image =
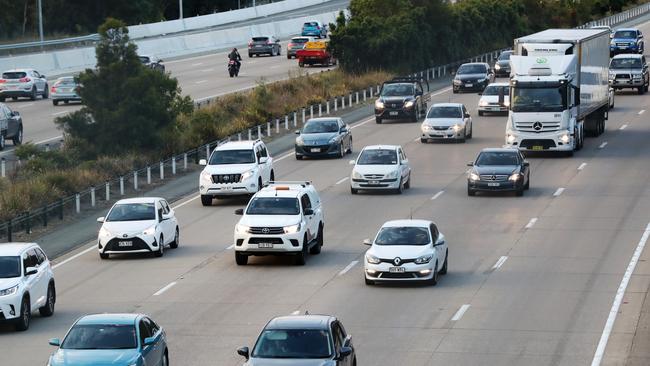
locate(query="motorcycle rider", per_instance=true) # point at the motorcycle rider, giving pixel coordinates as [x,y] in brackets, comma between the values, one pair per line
[235,56]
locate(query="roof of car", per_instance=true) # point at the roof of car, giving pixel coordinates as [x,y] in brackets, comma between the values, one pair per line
[476,63]
[500,149]
[300,322]
[320,119]
[411,222]
[139,200]
[121,319]
[291,190]
[458,105]
[381,147]
[627,55]
[19,70]
[499,84]
[237,145]
[13,249]
[627,29]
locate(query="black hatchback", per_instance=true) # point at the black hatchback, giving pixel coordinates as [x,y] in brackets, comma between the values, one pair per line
[498,170]
[323,137]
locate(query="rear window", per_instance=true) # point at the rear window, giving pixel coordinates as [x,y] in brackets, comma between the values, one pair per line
[66,81]
[310,24]
[13,75]
[299,40]
[260,39]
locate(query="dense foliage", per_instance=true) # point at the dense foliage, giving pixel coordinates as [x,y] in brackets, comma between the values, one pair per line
[413,34]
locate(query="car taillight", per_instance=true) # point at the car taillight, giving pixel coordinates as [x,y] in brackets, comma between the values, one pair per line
[53,89]
[25,80]
[3,81]
[250,44]
[290,45]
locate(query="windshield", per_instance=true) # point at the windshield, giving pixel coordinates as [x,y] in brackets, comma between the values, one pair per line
[378,157]
[101,336]
[538,99]
[13,75]
[505,56]
[471,69]
[497,158]
[9,267]
[260,39]
[406,235]
[391,90]
[625,63]
[310,24]
[625,34]
[293,343]
[132,212]
[221,157]
[445,112]
[273,206]
[495,90]
[65,81]
[321,127]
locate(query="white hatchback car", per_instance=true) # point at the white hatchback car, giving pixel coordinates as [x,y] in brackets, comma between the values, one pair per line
[138,225]
[411,250]
[494,99]
[23,83]
[26,283]
[447,121]
[380,167]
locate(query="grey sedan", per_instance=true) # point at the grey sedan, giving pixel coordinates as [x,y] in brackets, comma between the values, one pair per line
[65,90]
[264,45]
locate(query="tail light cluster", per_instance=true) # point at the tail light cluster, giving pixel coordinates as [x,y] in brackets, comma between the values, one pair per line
[25,80]
[3,81]
[250,44]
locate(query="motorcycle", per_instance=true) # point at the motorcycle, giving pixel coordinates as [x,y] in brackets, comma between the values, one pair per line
[233,68]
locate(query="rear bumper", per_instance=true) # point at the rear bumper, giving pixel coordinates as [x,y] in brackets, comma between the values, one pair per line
[260,50]
[626,83]
[469,86]
[16,93]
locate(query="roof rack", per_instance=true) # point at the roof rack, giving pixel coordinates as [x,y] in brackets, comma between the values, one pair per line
[302,183]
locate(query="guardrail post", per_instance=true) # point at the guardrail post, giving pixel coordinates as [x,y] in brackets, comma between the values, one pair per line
[311,112]
[250,133]
[135,180]
[357,96]
[364,95]
[185,157]
[47,147]
[3,167]
[303,115]
[173,165]
[320,109]
[295,119]
[239,136]
[9,230]
[108,191]
[122,186]
[149,174]
[327,107]
[161,168]
[350,103]
[342,102]
[207,151]
[259,132]
[336,102]
[268,129]
[277,125]
[378,86]
[44,210]
[92,196]
[286,122]
[77,202]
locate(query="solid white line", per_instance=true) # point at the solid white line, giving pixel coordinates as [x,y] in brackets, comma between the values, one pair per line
[582,166]
[460,312]
[207,70]
[531,223]
[59,113]
[362,123]
[276,67]
[500,262]
[198,64]
[602,145]
[201,82]
[618,299]
[231,247]
[342,180]
[440,92]
[25,105]
[48,140]
[295,312]
[641,111]
[74,257]
[622,127]
[416,139]
[284,156]
[435,196]
[185,203]
[170,285]
[349,267]
[558,192]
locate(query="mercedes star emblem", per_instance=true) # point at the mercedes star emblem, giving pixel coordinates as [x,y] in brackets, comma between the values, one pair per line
[124,235]
[265,230]
[537,126]
[494,177]
[225,177]
[397,261]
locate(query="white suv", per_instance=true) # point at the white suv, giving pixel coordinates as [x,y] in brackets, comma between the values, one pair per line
[281,219]
[235,168]
[23,83]
[26,283]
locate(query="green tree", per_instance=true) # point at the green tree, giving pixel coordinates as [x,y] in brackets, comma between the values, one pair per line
[127,107]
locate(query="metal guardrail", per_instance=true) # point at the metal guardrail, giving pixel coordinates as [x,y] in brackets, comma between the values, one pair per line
[132,183]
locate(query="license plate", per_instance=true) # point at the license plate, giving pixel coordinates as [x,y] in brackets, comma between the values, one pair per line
[393,113]
[125,243]
[226,188]
[622,47]
[538,148]
[258,45]
[494,184]
[396,269]
[265,245]
[12,87]
[440,134]
[373,182]
[495,109]
[315,150]
[469,85]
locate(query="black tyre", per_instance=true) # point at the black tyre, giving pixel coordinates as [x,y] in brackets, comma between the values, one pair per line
[471,131]
[301,64]
[241,259]
[319,242]
[423,140]
[34,93]
[369,282]
[350,146]
[400,188]
[480,113]
[378,120]
[443,270]
[527,186]
[272,176]
[22,323]
[250,55]
[414,118]
[206,200]
[55,102]
[177,240]
[434,280]
[161,248]
[46,92]
[299,157]
[103,255]
[232,73]
[520,192]
[288,57]
[341,150]
[2,99]
[407,185]
[354,190]
[470,192]
[48,308]
[301,258]
[641,90]
[18,139]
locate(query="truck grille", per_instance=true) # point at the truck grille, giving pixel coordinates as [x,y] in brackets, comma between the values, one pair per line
[494,177]
[537,126]
[266,230]
[226,178]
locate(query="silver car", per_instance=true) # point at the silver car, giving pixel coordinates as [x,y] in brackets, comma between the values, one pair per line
[296,44]
[264,45]
[65,90]
[23,83]
[447,121]
[629,71]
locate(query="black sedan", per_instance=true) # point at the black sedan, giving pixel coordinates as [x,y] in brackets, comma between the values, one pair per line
[322,137]
[473,76]
[499,169]
[502,66]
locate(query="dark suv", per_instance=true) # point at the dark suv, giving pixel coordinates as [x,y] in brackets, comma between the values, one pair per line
[401,98]
[302,340]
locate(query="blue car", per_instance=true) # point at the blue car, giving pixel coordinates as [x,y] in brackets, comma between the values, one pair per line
[314,29]
[626,40]
[112,339]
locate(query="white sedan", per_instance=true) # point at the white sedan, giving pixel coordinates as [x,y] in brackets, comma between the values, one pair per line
[411,250]
[380,167]
[138,225]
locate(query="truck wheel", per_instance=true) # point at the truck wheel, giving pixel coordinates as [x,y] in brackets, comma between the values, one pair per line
[301,257]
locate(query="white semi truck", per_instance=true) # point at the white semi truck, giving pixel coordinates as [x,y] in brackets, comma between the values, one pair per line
[558,89]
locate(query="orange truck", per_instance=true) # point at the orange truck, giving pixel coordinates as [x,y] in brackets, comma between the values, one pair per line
[315,53]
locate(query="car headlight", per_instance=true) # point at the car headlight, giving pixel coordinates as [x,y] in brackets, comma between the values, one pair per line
[379,104]
[372,259]
[424,259]
[103,232]
[247,174]
[474,177]
[457,127]
[483,103]
[510,138]
[242,229]
[334,140]
[457,82]
[497,67]
[206,176]
[392,174]
[565,138]
[300,141]
[409,104]
[506,103]
[292,229]
[150,231]
[636,76]
[356,175]
[426,126]
[9,291]
[514,177]
[481,80]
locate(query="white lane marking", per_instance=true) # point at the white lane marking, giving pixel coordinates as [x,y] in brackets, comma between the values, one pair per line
[362,123]
[459,314]
[285,156]
[558,192]
[348,267]
[342,180]
[276,67]
[231,247]
[531,223]
[641,111]
[59,113]
[602,145]
[618,299]
[416,139]
[207,70]
[582,166]
[162,290]
[500,262]
[201,82]
[74,257]
[198,64]
[25,105]
[295,312]
[622,127]
[440,92]
[435,196]
[50,139]
[186,202]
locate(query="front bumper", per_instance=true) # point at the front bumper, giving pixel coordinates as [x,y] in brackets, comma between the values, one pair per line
[374,184]
[550,141]
[389,113]
[130,244]
[626,83]
[411,272]
[493,108]
[260,244]
[10,306]
[469,86]
[448,134]
[493,186]
[614,50]
[208,188]
[317,150]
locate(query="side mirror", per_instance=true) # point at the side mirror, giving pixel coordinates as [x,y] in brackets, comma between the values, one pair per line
[54,342]
[297,132]
[471,163]
[440,241]
[418,92]
[161,216]
[166,216]
[344,352]
[467,115]
[526,163]
[263,160]
[309,212]
[405,161]
[480,93]
[239,211]
[15,113]
[149,341]
[45,77]
[101,219]
[351,162]
[243,352]
[31,271]
[367,242]
[203,162]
